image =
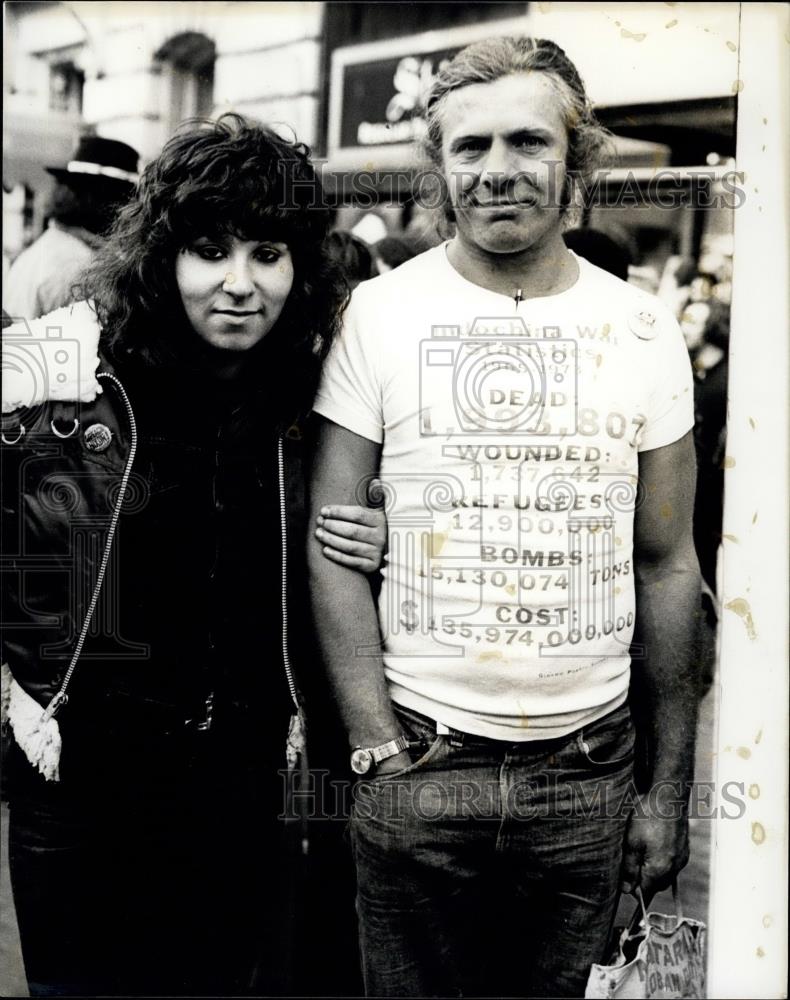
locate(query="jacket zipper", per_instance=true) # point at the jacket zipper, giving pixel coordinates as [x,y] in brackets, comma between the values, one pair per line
[61,698]
[297,720]
[284,574]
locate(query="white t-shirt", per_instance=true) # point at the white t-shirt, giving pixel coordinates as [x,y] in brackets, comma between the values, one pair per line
[510,437]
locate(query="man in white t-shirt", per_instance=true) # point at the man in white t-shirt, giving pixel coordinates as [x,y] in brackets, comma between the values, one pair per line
[529,416]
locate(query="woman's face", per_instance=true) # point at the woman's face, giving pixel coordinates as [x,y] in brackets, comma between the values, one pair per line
[234,290]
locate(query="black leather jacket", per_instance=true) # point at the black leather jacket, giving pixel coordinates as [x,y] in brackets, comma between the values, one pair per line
[152,551]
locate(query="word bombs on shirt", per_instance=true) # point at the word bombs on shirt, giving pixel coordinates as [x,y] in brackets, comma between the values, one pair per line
[510,556]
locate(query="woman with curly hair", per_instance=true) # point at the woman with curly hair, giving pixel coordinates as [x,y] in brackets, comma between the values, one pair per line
[154,494]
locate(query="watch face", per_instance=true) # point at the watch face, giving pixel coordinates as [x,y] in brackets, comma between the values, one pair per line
[361,761]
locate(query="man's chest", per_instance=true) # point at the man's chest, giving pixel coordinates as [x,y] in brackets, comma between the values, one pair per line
[503,392]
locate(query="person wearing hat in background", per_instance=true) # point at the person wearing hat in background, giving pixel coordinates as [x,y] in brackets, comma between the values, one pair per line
[89,191]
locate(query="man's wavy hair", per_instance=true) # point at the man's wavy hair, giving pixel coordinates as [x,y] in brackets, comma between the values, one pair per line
[213,178]
[589,144]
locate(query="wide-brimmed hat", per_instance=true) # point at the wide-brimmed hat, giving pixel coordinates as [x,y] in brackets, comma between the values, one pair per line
[99,157]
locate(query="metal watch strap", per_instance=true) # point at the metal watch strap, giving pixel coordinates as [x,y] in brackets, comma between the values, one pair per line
[389,749]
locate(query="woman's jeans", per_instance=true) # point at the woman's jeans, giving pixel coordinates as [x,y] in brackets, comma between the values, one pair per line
[159,871]
[492,868]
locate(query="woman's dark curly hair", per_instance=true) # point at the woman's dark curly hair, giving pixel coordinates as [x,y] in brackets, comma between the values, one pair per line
[213,178]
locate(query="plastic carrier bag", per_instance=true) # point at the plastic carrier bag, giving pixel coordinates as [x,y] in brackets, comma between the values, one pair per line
[657,956]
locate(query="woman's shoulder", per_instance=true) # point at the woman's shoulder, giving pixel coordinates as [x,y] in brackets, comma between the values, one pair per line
[52,358]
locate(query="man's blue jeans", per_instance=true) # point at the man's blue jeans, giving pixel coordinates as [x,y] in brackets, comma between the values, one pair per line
[492,868]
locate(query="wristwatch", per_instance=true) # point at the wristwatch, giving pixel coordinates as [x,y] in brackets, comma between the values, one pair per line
[364,758]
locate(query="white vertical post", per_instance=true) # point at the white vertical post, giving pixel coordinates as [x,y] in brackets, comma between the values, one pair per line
[748,933]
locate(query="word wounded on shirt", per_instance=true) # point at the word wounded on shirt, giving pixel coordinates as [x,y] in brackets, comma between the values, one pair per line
[527,453]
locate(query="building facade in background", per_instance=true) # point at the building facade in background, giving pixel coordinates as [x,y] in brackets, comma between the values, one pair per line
[348,79]
[133,71]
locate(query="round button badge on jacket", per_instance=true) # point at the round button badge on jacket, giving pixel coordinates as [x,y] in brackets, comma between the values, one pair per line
[98,437]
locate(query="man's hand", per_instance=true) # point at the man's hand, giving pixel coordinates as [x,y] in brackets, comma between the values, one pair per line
[353,536]
[656,848]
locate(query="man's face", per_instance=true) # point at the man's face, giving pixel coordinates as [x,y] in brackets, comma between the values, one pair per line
[503,147]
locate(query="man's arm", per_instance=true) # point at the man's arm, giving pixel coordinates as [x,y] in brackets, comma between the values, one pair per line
[667,606]
[343,609]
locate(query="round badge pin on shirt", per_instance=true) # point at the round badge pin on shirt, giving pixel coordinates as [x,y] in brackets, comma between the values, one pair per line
[98,437]
[644,324]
